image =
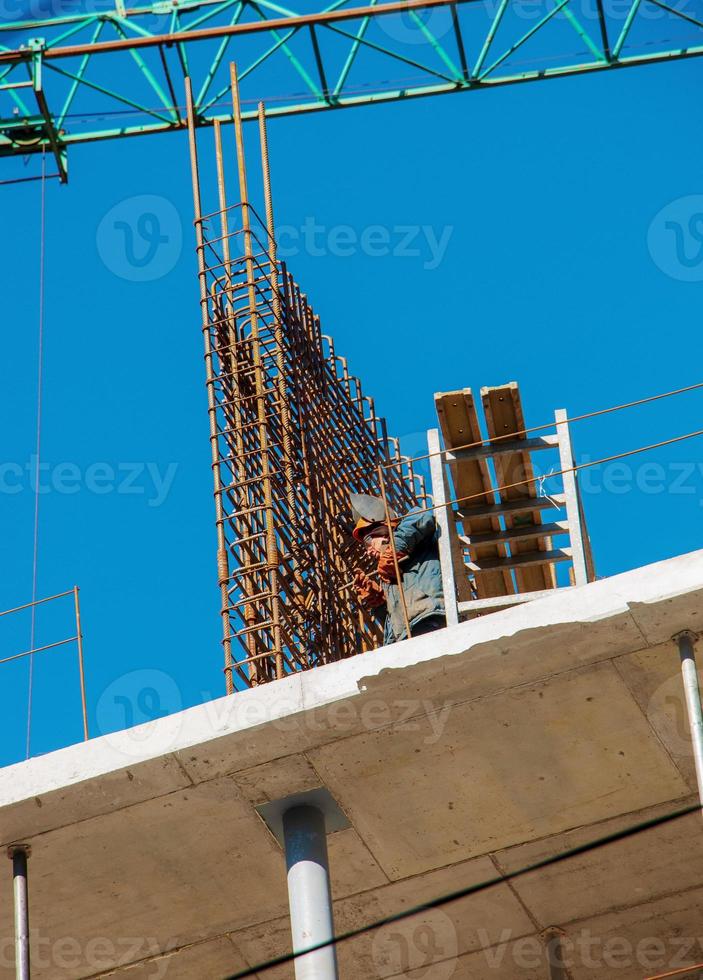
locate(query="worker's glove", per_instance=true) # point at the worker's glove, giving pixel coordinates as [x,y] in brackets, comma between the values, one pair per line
[369,593]
[386,565]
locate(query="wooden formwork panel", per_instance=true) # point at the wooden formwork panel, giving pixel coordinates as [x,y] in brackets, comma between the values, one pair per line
[458,421]
[504,416]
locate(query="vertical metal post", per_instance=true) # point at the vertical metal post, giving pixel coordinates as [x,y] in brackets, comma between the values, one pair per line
[573,511]
[685,641]
[272,555]
[441,515]
[81,669]
[309,892]
[19,854]
[229,358]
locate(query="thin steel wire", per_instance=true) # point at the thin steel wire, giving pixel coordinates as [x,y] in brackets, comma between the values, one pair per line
[553,425]
[568,469]
[40,371]
[499,879]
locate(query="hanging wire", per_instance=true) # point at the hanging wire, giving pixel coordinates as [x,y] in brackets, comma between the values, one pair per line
[569,469]
[37,450]
[500,879]
[552,425]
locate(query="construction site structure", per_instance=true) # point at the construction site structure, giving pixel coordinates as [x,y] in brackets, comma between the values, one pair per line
[292,433]
[495,549]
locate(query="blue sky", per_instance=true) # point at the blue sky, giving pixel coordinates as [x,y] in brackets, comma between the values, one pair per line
[546,251]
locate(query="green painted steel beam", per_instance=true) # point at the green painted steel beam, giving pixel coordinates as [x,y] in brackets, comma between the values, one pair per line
[318,46]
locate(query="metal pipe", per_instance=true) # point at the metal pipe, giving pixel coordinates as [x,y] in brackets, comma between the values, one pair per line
[685,641]
[81,669]
[309,892]
[19,854]
[37,602]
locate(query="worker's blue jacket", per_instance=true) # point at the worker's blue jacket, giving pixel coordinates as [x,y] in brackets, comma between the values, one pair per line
[416,535]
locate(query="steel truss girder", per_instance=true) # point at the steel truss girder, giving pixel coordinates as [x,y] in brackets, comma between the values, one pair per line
[67,59]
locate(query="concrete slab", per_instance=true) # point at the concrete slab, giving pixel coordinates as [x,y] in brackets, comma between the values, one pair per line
[469,750]
[493,771]
[668,859]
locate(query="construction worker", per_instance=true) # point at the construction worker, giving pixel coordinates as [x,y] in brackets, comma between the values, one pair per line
[415,538]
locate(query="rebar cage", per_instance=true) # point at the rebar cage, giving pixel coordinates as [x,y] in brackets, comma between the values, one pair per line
[292,433]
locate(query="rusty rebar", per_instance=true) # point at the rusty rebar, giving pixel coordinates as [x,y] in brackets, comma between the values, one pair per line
[222,560]
[292,432]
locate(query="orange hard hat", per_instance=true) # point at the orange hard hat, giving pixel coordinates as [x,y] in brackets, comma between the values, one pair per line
[368,512]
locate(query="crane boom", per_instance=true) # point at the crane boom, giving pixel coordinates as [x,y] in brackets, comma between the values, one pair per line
[81,78]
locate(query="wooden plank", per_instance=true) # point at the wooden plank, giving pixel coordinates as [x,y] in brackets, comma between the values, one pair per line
[459,424]
[504,415]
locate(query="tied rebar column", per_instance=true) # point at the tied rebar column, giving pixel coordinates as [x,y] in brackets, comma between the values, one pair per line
[291,433]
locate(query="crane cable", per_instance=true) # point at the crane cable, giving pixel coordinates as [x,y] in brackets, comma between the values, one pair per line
[37,449]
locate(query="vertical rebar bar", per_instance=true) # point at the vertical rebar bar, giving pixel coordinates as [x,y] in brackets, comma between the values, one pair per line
[278,320]
[81,666]
[222,556]
[271,544]
[232,362]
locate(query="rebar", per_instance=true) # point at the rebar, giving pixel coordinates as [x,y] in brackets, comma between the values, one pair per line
[292,434]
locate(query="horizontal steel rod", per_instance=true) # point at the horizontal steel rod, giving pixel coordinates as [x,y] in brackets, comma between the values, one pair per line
[37,602]
[49,646]
[231,30]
